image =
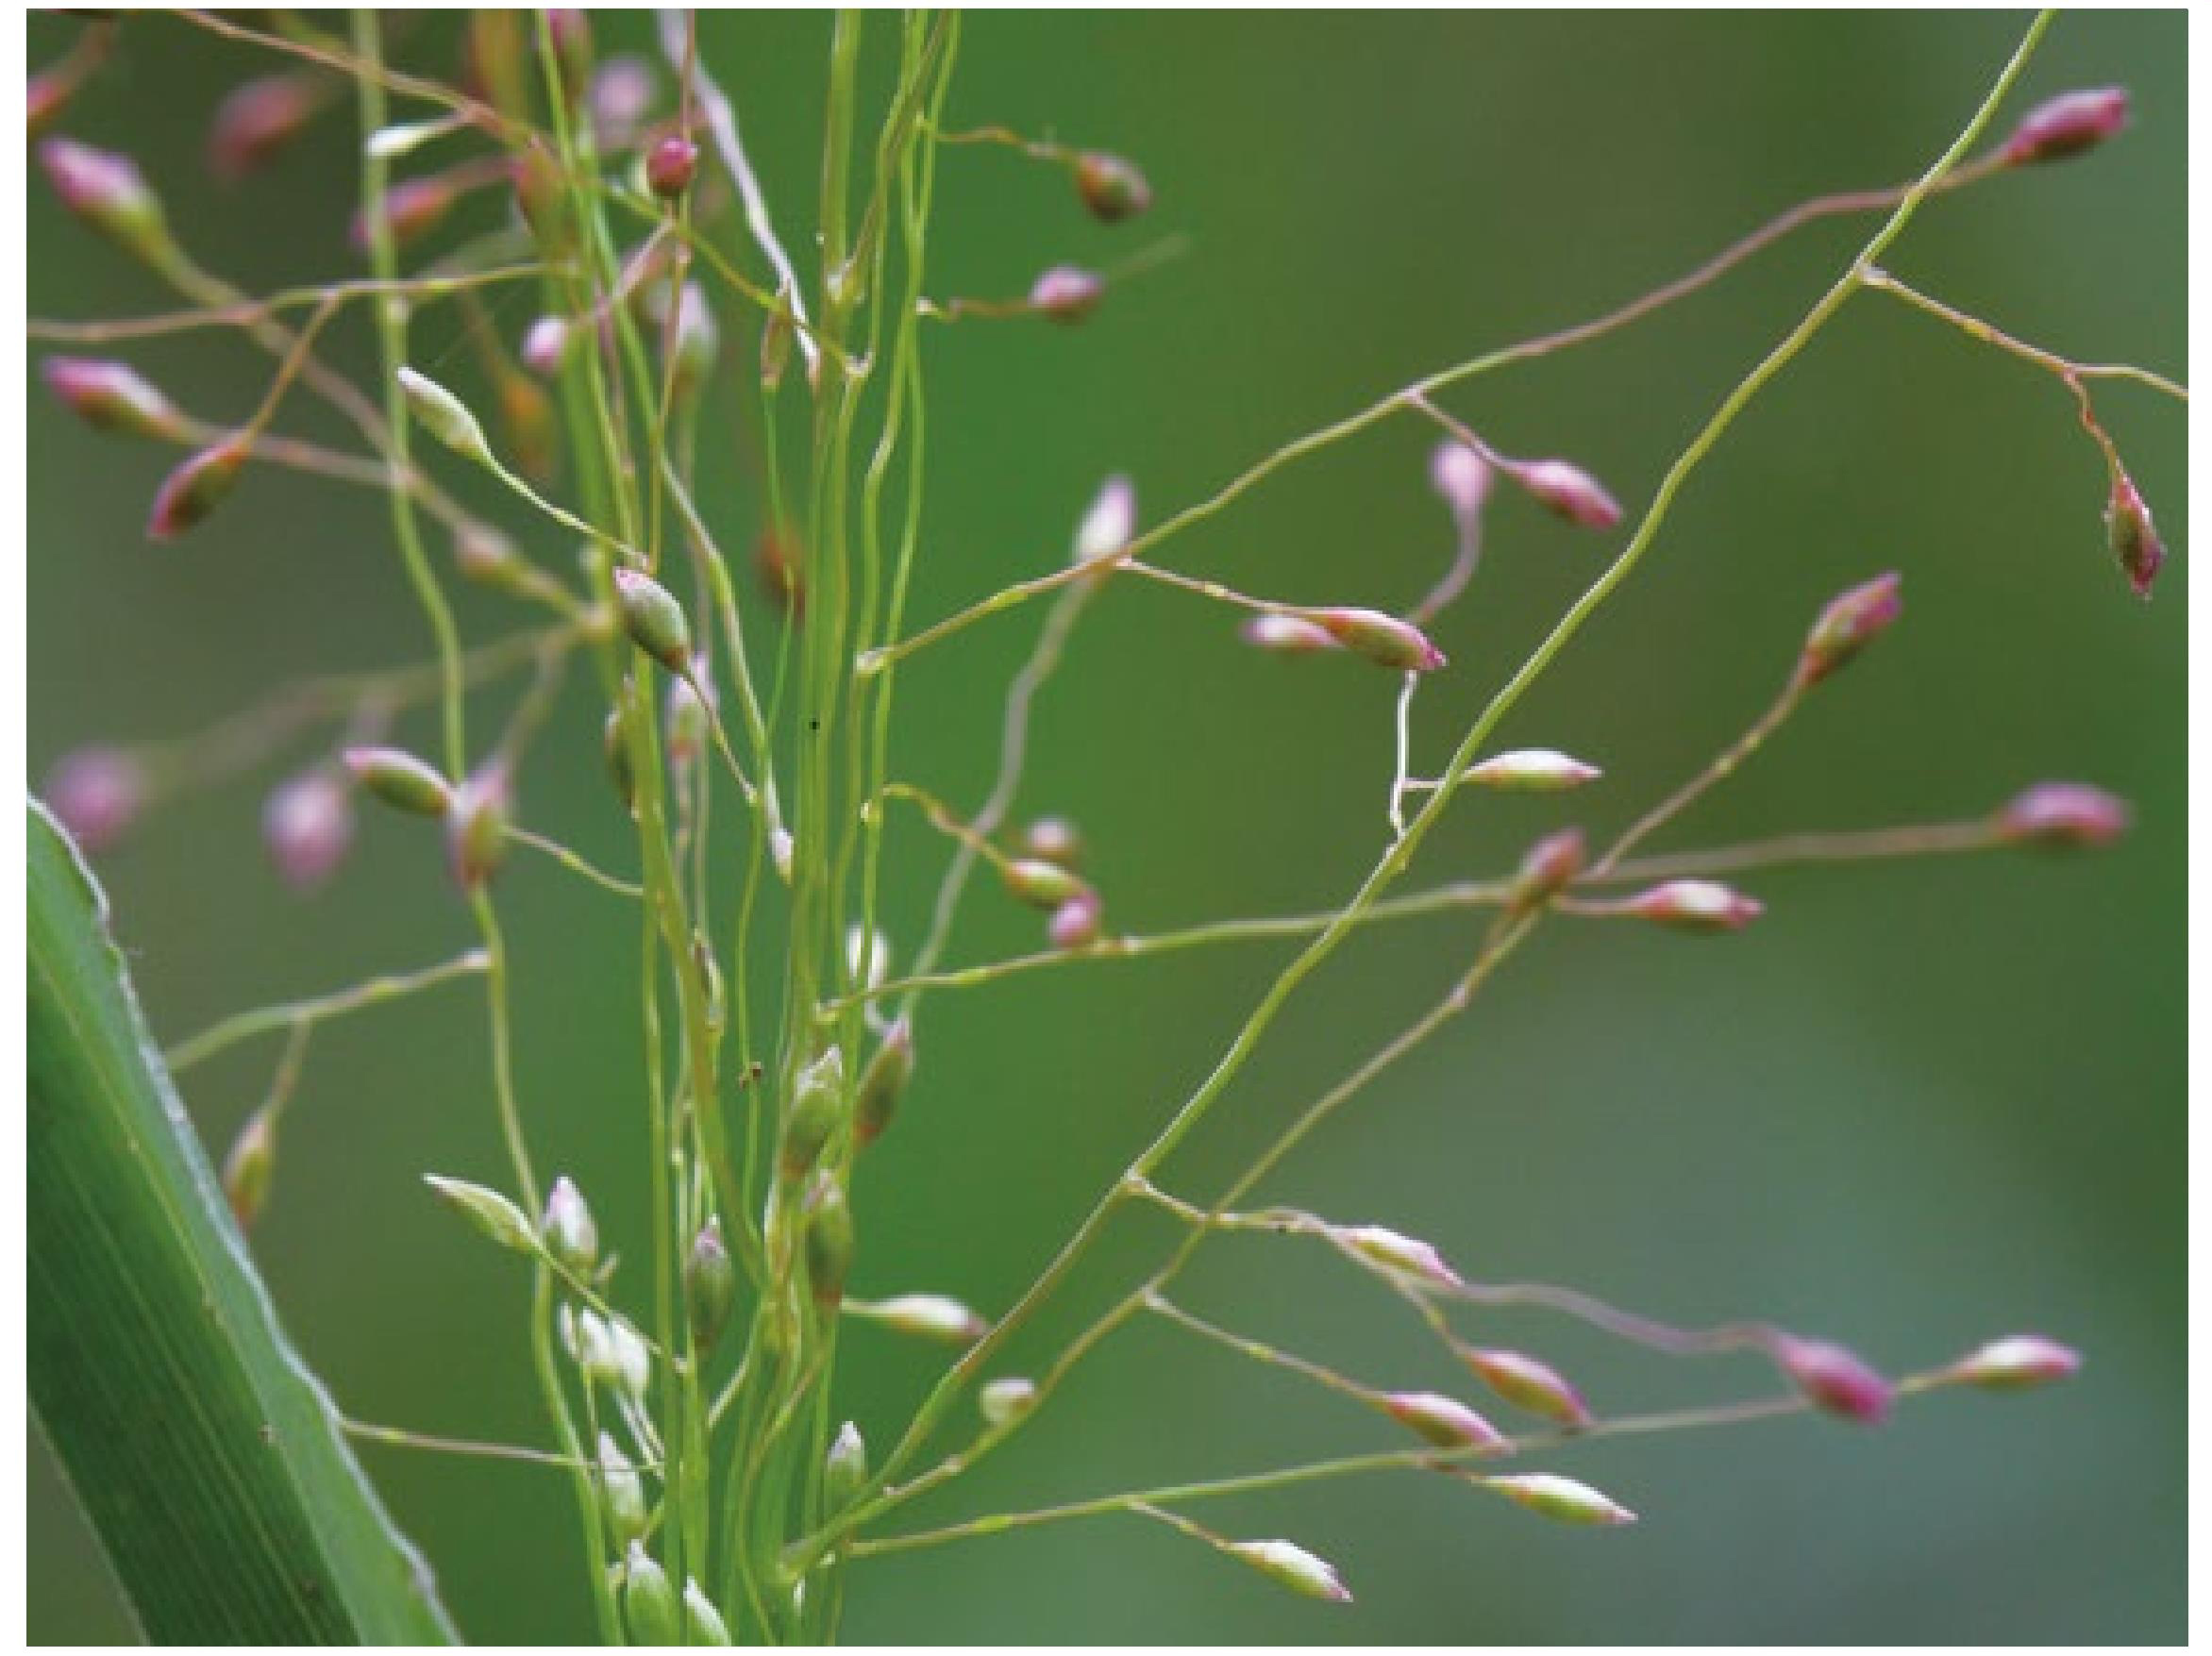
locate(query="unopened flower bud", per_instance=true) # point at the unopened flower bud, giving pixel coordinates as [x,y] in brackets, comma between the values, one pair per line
[195,487]
[1114,189]
[1293,1566]
[777,334]
[882,1085]
[1834,1379]
[2062,816]
[445,416]
[2131,536]
[1382,639]
[571,1234]
[1527,1382]
[1461,476]
[654,620]
[778,563]
[648,1602]
[1851,622]
[1053,838]
[1006,1399]
[1569,490]
[623,1491]
[1445,1422]
[307,825]
[696,341]
[413,208]
[1075,924]
[709,1286]
[544,346]
[260,118]
[400,780]
[2068,125]
[487,1210]
[614,743]
[1402,1255]
[1696,905]
[1287,635]
[828,1240]
[1067,293]
[621,96]
[1558,1497]
[1041,884]
[702,1622]
[845,1471]
[112,396]
[249,1167]
[46,95]
[929,1316]
[475,827]
[630,1359]
[686,721]
[817,1108]
[1109,524]
[96,794]
[108,193]
[1530,770]
[671,167]
[2016,1362]
[1550,866]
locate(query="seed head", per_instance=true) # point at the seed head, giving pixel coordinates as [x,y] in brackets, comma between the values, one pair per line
[249,1167]
[844,1470]
[1293,1566]
[413,208]
[1445,1422]
[623,1492]
[487,1210]
[2016,1362]
[571,1234]
[1532,770]
[653,618]
[400,780]
[882,1085]
[1397,1253]
[1834,1379]
[648,1602]
[1550,866]
[96,794]
[195,487]
[829,1242]
[1074,923]
[1559,1498]
[1041,884]
[1109,524]
[817,1109]
[2131,536]
[1383,640]
[1067,293]
[1461,476]
[112,396]
[445,416]
[107,192]
[1007,1398]
[2063,816]
[671,166]
[258,119]
[1851,622]
[703,1623]
[709,1286]
[1527,1382]
[2069,125]
[1287,635]
[932,1316]
[1111,188]
[1569,490]
[1696,905]
[307,824]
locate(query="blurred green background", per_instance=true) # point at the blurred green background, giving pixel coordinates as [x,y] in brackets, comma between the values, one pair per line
[1914,1106]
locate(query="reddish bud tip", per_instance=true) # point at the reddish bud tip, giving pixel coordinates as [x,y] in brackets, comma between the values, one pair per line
[195,487]
[2069,125]
[96,792]
[1571,492]
[2016,1362]
[1111,188]
[1382,639]
[307,824]
[413,208]
[1461,476]
[1286,635]
[108,193]
[671,167]
[1547,869]
[1834,1379]
[780,564]
[1067,293]
[1445,1422]
[2131,536]
[1074,923]
[2066,816]
[258,119]
[1527,1382]
[1569,1501]
[48,93]
[1397,1253]
[111,396]
[1293,1566]
[1696,905]
[1851,621]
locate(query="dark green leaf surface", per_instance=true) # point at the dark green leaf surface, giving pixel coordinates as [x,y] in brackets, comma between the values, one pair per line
[208,1458]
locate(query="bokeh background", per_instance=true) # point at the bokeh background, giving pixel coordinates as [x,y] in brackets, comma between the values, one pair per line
[1915,1106]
